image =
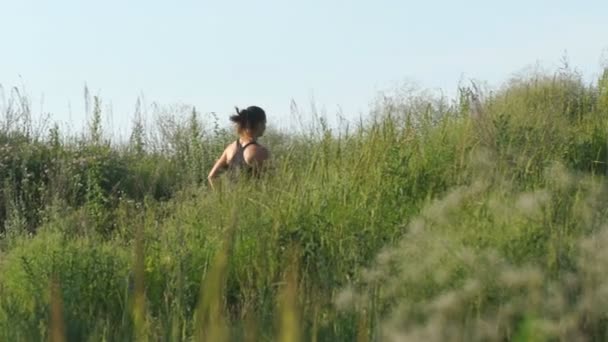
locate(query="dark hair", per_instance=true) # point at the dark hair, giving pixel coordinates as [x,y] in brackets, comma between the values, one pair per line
[248,118]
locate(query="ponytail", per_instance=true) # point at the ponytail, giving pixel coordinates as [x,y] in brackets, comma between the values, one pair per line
[240,118]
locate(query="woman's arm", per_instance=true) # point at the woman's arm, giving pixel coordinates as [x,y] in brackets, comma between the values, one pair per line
[220,164]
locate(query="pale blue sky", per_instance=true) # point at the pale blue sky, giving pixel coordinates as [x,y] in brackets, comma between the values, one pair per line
[217,54]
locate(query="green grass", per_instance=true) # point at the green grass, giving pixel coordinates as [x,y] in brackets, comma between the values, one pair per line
[482,219]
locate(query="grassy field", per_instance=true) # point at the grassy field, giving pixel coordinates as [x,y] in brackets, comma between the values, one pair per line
[481,219]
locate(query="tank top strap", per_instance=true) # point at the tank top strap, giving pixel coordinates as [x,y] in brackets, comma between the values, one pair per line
[249,144]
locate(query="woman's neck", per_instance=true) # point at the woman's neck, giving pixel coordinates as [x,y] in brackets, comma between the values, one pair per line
[246,138]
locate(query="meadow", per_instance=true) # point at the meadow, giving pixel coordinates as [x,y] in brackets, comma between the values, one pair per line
[477,219]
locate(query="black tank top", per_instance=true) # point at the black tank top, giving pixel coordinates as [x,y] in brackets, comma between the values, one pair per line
[238,164]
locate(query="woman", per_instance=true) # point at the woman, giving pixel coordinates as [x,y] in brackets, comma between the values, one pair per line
[245,154]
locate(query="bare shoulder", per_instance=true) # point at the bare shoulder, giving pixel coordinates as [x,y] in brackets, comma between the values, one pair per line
[231,146]
[230,149]
[256,154]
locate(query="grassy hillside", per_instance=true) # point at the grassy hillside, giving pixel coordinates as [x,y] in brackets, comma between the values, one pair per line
[479,219]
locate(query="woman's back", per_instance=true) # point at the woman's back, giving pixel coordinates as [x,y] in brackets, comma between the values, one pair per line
[236,154]
[245,157]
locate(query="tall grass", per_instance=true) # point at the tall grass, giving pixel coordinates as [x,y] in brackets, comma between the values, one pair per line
[478,219]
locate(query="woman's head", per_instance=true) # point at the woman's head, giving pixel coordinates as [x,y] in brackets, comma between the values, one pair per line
[250,121]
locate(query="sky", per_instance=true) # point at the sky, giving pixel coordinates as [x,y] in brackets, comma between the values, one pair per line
[335,54]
